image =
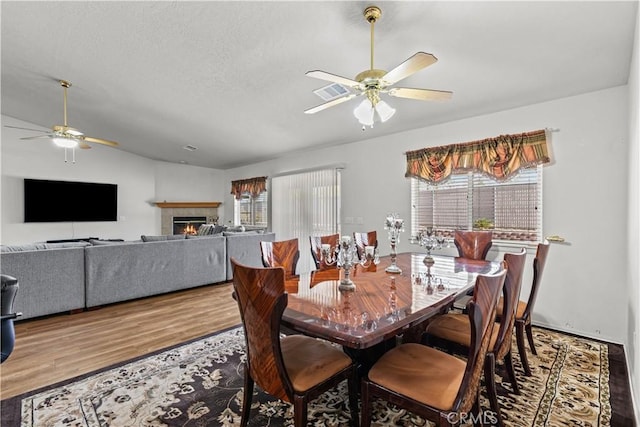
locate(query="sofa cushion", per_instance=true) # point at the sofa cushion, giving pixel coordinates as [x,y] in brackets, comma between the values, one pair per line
[162,238]
[208,236]
[96,242]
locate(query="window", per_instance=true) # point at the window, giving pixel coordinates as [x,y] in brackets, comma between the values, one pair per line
[252,210]
[306,204]
[514,207]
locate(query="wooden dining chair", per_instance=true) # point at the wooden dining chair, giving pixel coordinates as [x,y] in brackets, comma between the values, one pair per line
[294,368]
[473,244]
[283,254]
[429,382]
[361,240]
[453,331]
[524,310]
[316,249]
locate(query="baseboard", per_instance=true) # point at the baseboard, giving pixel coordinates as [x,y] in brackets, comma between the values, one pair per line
[634,402]
[576,333]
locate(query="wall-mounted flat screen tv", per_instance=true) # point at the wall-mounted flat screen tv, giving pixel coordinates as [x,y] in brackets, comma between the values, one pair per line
[69,201]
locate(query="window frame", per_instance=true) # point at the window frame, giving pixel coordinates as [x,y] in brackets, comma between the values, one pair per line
[247,199]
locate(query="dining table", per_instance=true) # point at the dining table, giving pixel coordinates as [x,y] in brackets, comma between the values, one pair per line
[383,306]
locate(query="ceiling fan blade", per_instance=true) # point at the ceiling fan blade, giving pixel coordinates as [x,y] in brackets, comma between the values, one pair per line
[83,145]
[100,141]
[37,137]
[323,75]
[420,94]
[34,130]
[416,63]
[330,104]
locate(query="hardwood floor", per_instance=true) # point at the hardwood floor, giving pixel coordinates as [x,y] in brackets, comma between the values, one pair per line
[59,347]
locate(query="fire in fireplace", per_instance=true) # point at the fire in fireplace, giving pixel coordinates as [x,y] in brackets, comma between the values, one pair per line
[187,224]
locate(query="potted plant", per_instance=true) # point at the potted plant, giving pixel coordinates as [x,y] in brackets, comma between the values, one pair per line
[483,224]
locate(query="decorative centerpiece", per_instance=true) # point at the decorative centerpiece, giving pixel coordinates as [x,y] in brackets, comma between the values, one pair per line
[428,239]
[395,225]
[345,257]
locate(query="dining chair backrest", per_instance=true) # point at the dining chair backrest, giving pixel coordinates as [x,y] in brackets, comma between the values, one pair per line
[7,330]
[283,254]
[538,268]
[473,244]
[511,295]
[294,368]
[361,240]
[316,249]
[262,300]
[482,311]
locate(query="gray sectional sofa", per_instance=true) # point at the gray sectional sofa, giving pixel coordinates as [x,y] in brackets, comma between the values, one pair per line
[63,277]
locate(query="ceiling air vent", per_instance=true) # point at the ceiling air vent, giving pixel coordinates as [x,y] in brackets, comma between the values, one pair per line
[190,148]
[333,91]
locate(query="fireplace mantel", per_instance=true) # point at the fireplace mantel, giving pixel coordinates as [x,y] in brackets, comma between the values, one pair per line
[188,204]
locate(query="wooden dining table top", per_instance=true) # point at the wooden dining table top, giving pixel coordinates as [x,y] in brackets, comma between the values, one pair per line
[383,305]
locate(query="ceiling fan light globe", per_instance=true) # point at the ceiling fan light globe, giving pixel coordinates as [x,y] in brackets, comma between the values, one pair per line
[65,142]
[364,113]
[385,111]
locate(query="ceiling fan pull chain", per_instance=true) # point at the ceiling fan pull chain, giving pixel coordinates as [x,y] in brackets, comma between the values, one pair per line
[65,155]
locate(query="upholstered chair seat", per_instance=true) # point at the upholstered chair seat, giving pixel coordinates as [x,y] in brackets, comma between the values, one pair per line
[421,373]
[455,328]
[309,361]
[522,306]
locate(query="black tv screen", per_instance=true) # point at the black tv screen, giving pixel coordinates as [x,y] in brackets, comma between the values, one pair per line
[67,201]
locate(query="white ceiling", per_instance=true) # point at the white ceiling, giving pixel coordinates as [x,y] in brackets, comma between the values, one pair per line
[229,77]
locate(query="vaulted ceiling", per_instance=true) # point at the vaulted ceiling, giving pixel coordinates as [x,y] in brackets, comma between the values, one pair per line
[229,77]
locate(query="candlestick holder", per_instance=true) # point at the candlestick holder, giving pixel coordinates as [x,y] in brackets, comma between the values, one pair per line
[345,257]
[430,240]
[395,225]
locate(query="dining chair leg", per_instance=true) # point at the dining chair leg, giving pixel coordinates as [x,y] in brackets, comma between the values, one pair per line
[521,348]
[508,364]
[365,409]
[299,411]
[246,398]
[530,338]
[476,410]
[353,398]
[490,384]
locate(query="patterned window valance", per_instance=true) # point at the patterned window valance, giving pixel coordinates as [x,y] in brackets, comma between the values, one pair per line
[500,157]
[253,186]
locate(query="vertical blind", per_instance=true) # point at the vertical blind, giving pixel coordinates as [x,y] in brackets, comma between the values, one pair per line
[305,204]
[513,206]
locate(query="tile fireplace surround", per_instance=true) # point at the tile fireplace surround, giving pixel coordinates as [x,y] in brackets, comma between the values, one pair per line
[170,209]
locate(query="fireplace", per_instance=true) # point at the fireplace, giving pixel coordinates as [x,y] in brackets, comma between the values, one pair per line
[187,224]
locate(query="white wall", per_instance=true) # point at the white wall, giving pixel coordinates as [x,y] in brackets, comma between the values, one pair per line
[633,249]
[585,280]
[140,183]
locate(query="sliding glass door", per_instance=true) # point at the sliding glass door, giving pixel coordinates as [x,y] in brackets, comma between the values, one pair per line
[305,204]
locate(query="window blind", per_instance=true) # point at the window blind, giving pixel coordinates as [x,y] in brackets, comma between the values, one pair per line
[514,206]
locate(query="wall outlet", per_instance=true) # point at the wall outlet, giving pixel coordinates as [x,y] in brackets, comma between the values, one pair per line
[348,220]
[359,220]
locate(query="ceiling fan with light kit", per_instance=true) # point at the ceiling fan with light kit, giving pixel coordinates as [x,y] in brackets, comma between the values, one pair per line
[372,83]
[64,135]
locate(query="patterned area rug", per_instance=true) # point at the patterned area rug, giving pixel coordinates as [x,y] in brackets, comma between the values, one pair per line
[200,384]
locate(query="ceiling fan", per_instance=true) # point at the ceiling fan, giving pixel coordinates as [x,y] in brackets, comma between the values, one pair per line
[373,82]
[64,135]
